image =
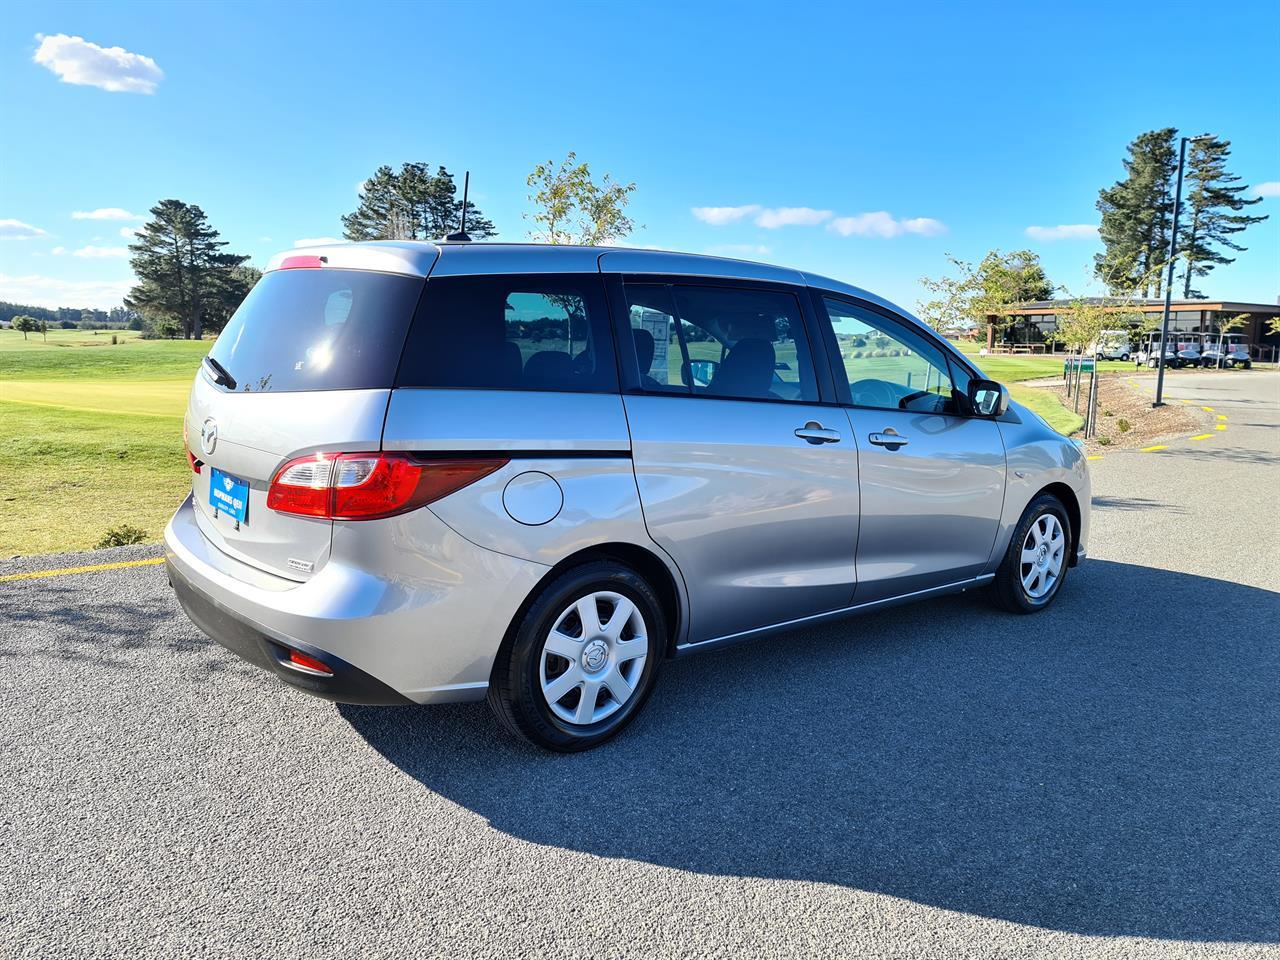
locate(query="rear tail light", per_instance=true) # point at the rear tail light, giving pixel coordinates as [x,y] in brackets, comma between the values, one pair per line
[368,486]
[186,443]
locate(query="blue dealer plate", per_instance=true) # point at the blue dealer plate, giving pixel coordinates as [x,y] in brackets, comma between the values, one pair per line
[229,495]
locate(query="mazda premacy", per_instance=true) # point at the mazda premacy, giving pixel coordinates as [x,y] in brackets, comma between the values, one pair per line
[433,472]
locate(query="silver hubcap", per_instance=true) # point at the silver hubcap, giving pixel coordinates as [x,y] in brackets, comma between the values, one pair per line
[593,658]
[1042,555]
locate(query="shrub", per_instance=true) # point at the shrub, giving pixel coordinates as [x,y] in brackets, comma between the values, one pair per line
[1107,413]
[857,354]
[1124,425]
[122,536]
[1104,440]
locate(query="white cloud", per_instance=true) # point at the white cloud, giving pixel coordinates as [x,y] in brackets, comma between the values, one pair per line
[774,217]
[43,291]
[58,251]
[17,230]
[1269,189]
[128,232]
[719,216]
[264,239]
[924,226]
[878,224]
[105,213]
[100,253]
[1063,231]
[316,241]
[76,60]
[881,223]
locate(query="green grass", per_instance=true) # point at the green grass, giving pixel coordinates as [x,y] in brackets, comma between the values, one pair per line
[90,436]
[1047,405]
[67,476]
[1010,369]
[78,353]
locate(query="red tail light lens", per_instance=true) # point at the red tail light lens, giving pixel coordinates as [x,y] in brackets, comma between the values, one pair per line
[369,486]
[309,664]
[303,263]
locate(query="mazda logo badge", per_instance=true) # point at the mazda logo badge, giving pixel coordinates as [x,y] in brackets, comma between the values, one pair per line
[208,435]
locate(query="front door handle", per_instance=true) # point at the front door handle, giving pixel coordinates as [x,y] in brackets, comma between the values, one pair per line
[815,433]
[889,438]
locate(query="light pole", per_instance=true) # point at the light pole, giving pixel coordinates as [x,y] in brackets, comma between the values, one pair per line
[1173,249]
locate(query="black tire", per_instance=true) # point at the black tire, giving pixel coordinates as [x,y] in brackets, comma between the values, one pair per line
[1007,590]
[1124,358]
[515,686]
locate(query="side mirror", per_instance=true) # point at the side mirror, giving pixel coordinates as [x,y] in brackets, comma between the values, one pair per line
[988,398]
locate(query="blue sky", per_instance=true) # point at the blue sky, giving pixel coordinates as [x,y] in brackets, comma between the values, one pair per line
[860,143]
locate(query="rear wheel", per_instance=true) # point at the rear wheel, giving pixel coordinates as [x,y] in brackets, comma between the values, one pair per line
[1036,563]
[582,660]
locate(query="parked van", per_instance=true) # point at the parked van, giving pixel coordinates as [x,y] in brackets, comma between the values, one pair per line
[431,472]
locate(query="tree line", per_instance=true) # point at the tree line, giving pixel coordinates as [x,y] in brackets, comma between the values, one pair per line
[69,318]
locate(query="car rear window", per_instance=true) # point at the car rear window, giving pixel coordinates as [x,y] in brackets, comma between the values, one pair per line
[512,332]
[322,329]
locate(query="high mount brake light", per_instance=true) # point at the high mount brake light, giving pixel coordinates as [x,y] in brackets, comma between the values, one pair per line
[369,486]
[303,263]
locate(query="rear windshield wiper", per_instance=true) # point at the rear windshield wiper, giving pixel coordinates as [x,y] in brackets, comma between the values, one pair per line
[222,374]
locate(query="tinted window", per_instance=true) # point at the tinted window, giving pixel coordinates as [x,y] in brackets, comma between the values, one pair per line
[319,330]
[722,342]
[511,333]
[889,366]
[653,330]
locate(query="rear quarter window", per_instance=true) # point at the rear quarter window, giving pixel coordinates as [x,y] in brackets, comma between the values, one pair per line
[525,332]
[319,330]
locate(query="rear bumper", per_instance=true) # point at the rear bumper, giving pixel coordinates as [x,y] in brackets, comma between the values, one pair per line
[348,684]
[409,616]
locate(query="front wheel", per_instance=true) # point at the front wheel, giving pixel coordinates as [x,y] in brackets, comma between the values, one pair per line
[582,660]
[1124,358]
[1036,563]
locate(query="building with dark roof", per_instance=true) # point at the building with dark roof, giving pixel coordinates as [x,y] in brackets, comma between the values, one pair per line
[1034,324]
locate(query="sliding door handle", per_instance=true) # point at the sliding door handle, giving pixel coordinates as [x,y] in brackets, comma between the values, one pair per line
[889,438]
[815,433]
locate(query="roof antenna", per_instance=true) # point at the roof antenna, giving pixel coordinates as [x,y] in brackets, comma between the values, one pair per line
[461,235]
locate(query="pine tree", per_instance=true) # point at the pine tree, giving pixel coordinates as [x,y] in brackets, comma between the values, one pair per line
[413,204]
[1137,216]
[181,269]
[1212,210]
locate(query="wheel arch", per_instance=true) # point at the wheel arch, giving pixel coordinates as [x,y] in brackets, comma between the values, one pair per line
[665,581]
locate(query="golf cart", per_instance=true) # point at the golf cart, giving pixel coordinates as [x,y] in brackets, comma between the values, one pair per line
[1112,345]
[1148,354]
[1225,350]
[1188,345]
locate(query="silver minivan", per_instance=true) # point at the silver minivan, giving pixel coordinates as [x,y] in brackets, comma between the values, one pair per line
[434,472]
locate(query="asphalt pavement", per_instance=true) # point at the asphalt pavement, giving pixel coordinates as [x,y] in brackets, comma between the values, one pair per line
[1102,780]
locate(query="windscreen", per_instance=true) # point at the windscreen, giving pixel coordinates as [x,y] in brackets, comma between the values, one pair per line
[318,329]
